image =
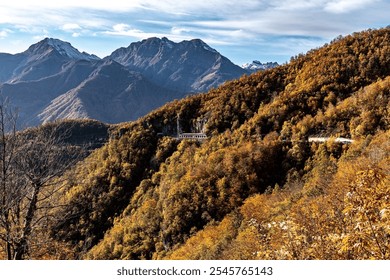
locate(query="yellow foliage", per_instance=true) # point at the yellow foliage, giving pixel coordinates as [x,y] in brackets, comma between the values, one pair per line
[255,189]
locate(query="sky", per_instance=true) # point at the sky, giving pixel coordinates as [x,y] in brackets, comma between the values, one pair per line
[243,30]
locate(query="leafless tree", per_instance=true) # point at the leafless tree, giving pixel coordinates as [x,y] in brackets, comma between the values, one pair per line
[31,162]
[8,141]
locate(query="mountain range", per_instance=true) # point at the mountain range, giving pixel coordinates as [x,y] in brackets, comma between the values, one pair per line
[255,187]
[53,80]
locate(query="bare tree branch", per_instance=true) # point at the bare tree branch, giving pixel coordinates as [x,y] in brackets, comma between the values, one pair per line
[30,163]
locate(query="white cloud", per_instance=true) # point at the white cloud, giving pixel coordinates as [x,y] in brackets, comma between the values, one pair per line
[179,30]
[113,5]
[332,6]
[76,30]
[123,29]
[218,22]
[34,16]
[294,5]
[245,17]
[126,30]
[345,6]
[5,33]
[174,7]
[71,27]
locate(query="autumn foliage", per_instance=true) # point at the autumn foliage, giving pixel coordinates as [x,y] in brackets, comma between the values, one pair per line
[256,188]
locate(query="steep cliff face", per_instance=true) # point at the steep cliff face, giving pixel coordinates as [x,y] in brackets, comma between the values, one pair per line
[188,66]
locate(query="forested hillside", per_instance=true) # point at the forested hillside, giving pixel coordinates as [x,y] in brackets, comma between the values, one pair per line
[256,188]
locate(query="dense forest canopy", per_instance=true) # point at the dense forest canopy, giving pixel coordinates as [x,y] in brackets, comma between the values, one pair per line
[256,188]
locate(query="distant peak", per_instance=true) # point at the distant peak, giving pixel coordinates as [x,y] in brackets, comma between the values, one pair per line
[60,45]
[256,65]
[54,41]
[64,48]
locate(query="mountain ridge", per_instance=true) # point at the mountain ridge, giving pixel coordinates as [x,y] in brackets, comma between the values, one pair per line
[52,71]
[195,64]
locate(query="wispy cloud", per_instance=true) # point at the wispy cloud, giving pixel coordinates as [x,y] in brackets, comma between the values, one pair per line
[123,29]
[179,30]
[129,31]
[113,5]
[232,25]
[71,27]
[243,17]
[5,33]
[346,6]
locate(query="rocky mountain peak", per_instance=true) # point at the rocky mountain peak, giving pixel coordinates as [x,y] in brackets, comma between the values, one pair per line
[187,66]
[256,65]
[65,49]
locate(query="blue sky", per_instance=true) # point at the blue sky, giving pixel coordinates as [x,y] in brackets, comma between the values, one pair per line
[242,30]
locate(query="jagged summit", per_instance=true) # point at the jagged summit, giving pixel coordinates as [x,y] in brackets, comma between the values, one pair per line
[188,66]
[256,65]
[202,44]
[165,42]
[63,48]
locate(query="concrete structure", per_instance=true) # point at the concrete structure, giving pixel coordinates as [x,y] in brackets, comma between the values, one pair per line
[193,136]
[324,139]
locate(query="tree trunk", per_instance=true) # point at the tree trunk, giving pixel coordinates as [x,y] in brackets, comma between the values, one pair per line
[22,250]
[8,247]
